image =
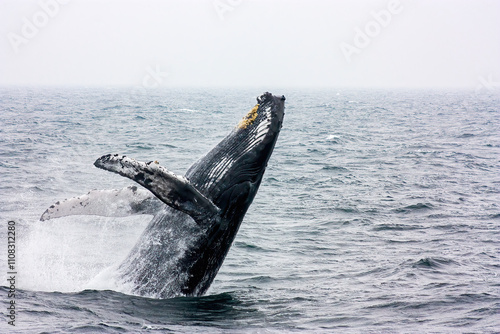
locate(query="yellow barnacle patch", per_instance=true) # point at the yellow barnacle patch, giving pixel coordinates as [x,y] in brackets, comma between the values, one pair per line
[249,118]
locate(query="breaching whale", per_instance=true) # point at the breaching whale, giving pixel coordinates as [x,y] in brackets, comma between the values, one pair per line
[196,216]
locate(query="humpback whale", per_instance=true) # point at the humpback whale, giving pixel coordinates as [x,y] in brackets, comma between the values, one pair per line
[195,216]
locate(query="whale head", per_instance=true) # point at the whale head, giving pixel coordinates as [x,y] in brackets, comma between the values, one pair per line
[232,170]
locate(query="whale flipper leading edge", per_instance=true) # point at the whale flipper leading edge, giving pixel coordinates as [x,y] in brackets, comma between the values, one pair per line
[175,191]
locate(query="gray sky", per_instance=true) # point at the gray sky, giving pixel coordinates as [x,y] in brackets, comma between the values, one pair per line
[245,43]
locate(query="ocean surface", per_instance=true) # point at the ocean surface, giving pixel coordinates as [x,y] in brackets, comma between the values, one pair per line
[379,211]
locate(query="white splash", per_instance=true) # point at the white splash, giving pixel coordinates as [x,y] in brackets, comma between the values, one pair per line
[69,253]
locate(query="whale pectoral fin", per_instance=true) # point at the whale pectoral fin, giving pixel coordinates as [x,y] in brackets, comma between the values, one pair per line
[109,203]
[175,191]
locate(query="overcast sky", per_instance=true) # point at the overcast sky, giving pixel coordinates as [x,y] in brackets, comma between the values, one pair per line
[232,43]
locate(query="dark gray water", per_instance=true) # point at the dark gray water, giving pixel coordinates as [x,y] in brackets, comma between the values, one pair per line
[379,211]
